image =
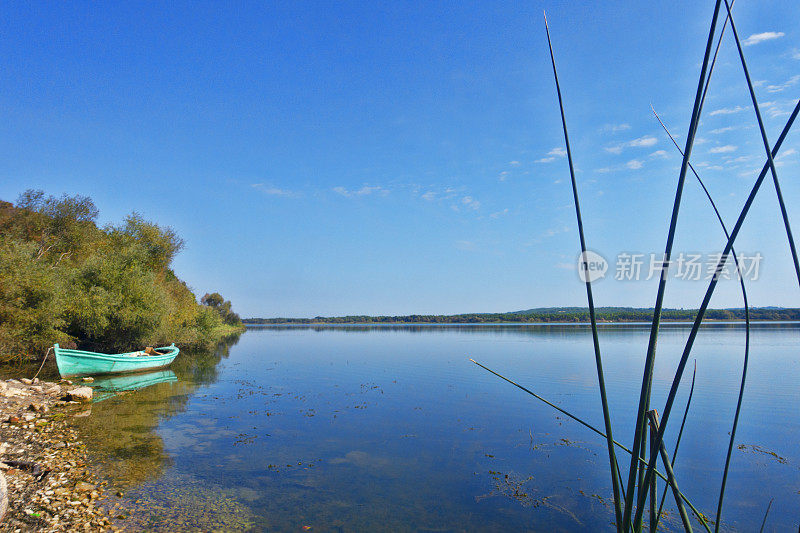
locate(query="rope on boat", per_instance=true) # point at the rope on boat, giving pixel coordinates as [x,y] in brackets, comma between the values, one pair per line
[43,360]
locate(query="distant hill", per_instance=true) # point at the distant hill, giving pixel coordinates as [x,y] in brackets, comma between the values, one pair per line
[549,314]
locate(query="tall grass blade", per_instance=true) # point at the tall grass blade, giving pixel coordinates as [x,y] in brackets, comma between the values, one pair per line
[644,398]
[736,260]
[687,525]
[678,440]
[653,486]
[766,146]
[714,60]
[712,286]
[747,330]
[592,317]
[735,420]
[791,245]
[764,522]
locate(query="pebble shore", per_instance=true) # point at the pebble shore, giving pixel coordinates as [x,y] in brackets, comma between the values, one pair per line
[50,486]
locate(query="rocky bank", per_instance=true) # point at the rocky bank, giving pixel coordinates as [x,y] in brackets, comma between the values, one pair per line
[49,484]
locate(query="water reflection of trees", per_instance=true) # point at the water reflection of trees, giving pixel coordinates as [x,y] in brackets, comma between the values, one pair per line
[121,432]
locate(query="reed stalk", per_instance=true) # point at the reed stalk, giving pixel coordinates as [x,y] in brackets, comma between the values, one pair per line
[763,132]
[766,514]
[592,316]
[687,525]
[788,235]
[644,398]
[712,286]
[771,166]
[677,441]
[653,485]
[629,509]
[747,326]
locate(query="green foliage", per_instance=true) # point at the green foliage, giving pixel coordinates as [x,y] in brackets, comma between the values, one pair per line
[63,279]
[158,245]
[31,298]
[223,307]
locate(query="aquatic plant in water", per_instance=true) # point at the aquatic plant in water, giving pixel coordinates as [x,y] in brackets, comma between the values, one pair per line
[635,489]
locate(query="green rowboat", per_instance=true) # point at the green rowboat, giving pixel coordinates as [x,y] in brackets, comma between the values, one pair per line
[80,363]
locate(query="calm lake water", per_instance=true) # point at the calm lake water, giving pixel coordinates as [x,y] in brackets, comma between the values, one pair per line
[392,428]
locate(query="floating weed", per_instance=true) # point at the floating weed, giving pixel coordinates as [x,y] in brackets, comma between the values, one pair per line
[755,448]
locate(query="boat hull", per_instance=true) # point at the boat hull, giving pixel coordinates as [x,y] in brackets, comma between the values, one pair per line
[82,363]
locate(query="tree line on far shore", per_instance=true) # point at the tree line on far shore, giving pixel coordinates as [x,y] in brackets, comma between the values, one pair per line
[64,279]
[545,315]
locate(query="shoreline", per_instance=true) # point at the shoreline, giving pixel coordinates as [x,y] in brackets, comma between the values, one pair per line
[706,321]
[51,485]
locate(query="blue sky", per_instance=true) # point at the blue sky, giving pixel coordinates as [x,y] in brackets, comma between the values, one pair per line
[349,158]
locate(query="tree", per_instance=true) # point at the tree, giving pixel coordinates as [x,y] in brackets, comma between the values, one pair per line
[215,301]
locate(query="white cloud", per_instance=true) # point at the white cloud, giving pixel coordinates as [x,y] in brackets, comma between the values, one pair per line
[467,246]
[786,153]
[708,166]
[274,191]
[722,130]
[470,202]
[552,232]
[748,173]
[514,163]
[634,164]
[551,156]
[723,149]
[659,153]
[641,142]
[727,110]
[614,128]
[740,159]
[449,193]
[761,37]
[785,85]
[498,214]
[795,53]
[778,109]
[366,190]
[429,196]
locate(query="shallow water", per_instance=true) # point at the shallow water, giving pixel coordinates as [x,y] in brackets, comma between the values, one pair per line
[392,428]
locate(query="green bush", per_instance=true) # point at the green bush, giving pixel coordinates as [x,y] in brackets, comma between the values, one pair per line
[63,279]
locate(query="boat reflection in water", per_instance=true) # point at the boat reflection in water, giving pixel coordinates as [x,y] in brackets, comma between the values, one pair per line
[108,387]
